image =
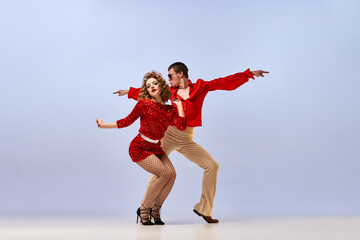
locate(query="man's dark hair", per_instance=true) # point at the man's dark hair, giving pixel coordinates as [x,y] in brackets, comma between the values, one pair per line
[179,67]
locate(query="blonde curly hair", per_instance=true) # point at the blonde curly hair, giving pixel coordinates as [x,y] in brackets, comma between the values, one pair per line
[165,93]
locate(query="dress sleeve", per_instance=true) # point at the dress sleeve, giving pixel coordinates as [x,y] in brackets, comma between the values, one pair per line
[135,114]
[134,93]
[179,122]
[229,83]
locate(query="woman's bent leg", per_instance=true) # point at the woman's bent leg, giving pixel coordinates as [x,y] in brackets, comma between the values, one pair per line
[159,188]
[164,193]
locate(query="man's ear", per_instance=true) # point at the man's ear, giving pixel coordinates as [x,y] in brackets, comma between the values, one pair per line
[181,74]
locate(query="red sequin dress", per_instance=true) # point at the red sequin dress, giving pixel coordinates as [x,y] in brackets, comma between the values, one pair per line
[154,120]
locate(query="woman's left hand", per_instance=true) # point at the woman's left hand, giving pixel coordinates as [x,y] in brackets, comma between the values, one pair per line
[177,101]
[99,122]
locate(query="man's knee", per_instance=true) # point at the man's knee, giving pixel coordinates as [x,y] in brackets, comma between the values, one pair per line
[212,166]
[215,166]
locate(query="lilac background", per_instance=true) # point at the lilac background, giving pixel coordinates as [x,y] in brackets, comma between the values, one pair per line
[287,144]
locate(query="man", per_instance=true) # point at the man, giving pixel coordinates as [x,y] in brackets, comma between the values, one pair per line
[192,96]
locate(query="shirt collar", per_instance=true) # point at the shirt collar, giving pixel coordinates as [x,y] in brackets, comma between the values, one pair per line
[174,90]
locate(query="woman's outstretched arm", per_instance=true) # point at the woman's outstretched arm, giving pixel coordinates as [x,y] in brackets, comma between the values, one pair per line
[135,114]
[101,124]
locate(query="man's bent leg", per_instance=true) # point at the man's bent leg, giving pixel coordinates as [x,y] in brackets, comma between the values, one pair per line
[195,153]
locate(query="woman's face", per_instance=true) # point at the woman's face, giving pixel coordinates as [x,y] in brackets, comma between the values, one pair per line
[153,87]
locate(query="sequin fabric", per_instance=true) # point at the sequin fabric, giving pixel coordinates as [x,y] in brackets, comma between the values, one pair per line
[154,120]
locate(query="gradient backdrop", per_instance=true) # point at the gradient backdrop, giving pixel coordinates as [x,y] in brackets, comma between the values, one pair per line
[287,144]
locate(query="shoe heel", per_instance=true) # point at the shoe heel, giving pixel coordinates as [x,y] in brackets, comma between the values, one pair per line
[197,213]
[137,215]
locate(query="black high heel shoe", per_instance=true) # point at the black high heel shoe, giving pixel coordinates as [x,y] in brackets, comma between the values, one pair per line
[155,213]
[144,220]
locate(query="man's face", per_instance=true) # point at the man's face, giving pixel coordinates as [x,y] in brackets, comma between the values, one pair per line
[174,78]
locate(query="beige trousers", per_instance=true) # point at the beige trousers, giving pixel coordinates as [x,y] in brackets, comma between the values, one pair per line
[182,141]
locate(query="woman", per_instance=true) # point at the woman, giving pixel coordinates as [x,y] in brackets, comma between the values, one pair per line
[145,148]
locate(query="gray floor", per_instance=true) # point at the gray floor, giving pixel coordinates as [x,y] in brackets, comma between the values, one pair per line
[277,228]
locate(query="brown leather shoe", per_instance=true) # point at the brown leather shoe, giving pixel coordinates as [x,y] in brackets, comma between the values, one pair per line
[207,218]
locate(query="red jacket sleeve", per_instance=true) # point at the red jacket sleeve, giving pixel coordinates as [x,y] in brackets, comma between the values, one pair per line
[134,93]
[135,114]
[231,82]
[179,122]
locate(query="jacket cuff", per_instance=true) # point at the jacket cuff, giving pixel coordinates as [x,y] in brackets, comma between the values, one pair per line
[133,93]
[118,123]
[248,73]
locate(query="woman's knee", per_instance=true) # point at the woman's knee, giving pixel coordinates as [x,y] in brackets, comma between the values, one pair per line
[170,174]
[173,174]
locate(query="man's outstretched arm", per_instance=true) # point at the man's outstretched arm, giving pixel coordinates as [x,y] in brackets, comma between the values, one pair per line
[234,81]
